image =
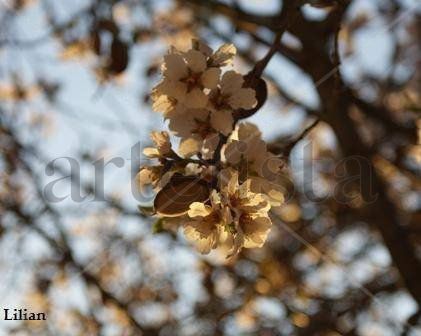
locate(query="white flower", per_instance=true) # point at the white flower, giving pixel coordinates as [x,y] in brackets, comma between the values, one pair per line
[196,132]
[206,224]
[247,152]
[162,143]
[223,56]
[188,74]
[185,77]
[251,223]
[273,189]
[200,106]
[153,176]
[232,94]
[202,47]
[245,146]
[163,103]
[148,176]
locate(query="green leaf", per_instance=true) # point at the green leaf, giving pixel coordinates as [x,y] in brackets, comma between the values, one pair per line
[158,226]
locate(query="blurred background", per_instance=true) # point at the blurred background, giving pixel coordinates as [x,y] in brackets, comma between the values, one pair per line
[75,78]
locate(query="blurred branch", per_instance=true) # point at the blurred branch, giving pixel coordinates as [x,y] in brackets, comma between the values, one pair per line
[387,216]
[236,14]
[382,114]
[285,150]
[248,57]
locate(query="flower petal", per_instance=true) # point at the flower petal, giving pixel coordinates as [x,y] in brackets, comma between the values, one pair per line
[189,147]
[204,244]
[196,99]
[244,98]
[183,125]
[231,82]
[210,78]
[256,232]
[248,130]
[256,202]
[202,47]
[198,209]
[196,61]
[210,143]
[173,89]
[222,121]
[224,55]
[215,198]
[233,151]
[151,152]
[161,103]
[237,244]
[276,197]
[203,233]
[175,67]
[162,142]
[146,176]
[198,114]
[228,181]
[244,190]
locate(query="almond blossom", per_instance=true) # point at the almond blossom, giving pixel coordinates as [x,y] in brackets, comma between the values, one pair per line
[149,175]
[188,74]
[221,181]
[205,225]
[250,219]
[154,176]
[162,145]
[247,152]
[196,132]
[228,97]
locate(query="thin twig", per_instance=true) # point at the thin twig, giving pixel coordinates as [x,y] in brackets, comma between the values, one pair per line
[288,148]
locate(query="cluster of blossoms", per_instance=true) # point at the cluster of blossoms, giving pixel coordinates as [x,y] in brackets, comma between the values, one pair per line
[222,181]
